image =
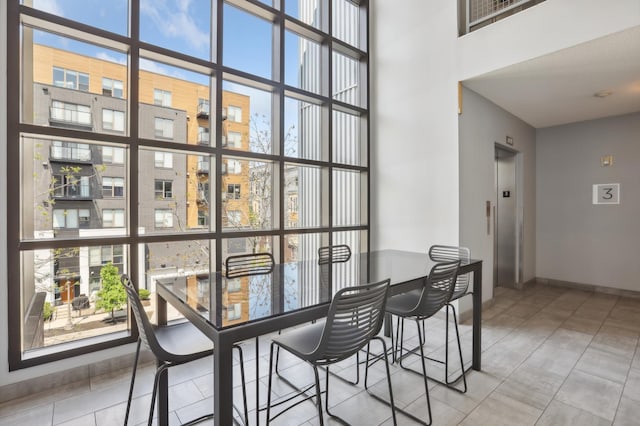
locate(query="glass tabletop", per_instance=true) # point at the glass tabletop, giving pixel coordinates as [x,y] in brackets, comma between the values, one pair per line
[228,302]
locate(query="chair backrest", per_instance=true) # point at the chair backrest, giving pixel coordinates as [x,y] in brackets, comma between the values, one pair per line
[438,289]
[145,328]
[244,265]
[355,316]
[334,254]
[440,253]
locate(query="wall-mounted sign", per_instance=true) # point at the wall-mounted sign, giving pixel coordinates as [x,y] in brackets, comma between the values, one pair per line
[506,194]
[606,193]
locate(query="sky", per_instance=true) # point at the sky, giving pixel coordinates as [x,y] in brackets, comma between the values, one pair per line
[183,26]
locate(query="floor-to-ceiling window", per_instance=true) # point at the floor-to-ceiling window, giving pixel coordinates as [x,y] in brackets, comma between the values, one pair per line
[157,138]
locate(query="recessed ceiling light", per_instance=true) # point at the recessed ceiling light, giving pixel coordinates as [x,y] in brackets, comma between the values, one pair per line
[603,93]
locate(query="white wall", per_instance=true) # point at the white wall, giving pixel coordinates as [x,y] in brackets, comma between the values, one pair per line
[576,240]
[416,61]
[482,125]
[414,140]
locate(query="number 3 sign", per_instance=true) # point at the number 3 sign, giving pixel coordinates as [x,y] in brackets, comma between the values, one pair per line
[608,193]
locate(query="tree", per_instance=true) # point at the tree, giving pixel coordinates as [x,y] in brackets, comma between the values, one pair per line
[112,295]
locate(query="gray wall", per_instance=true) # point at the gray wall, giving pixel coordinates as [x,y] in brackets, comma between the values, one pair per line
[482,124]
[576,240]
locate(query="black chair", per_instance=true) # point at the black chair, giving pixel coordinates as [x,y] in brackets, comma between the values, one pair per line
[245,265]
[248,265]
[334,254]
[171,345]
[420,305]
[354,319]
[441,253]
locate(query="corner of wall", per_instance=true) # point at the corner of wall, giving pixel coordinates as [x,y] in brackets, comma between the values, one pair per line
[4,332]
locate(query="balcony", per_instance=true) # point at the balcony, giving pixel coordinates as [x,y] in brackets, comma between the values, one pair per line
[203,138]
[203,109]
[62,115]
[480,13]
[72,153]
[202,168]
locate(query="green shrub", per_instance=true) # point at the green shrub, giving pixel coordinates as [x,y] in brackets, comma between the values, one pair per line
[47,311]
[144,294]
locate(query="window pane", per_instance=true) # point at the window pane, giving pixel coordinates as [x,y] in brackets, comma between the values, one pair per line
[346,79]
[307,11]
[63,85]
[59,282]
[252,199]
[112,18]
[170,103]
[182,26]
[183,263]
[346,22]
[348,145]
[71,176]
[173,191]
[303,130]
[248,51]
[302,62]
[248,112]
[349,207]
[305,200]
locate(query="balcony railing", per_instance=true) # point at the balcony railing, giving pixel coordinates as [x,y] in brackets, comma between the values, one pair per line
[63,115]
[203,109]
[203,138]
[76,154]
[482,12]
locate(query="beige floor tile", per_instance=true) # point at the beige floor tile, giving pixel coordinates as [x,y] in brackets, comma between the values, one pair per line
[558,414]
[632,386]
[583,325]
[498,409]
[38,416]
[480,384]
[618,341]
[604,364]
[628,413]
[590,393]
[532,385]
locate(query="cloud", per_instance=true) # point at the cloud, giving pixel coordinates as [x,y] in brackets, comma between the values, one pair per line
[122,60]
[155,67]
[49,6]
[175,21]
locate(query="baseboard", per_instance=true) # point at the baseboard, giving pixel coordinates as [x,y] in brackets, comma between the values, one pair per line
[588,287]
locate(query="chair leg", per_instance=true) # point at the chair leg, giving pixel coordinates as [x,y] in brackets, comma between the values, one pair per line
[133,379]
[464,378]
[424,371]
[161,369]
[244,387]
[318,395]
[269,386]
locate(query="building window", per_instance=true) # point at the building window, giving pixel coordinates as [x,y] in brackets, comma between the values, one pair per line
[70,79]
[203,135]
[203,217]
[111,87]
[233,191]
[99,256]
[113,218]
[234,114]
[71,218]
[234,311]
[163,218]
[164,128]
[113,120]
[70,151]
[234,139]
[163,160]
[163,189]
[234,167]
[112,155]
[161,97]
[70,113]
[71,186]
[234,285]
[112,186]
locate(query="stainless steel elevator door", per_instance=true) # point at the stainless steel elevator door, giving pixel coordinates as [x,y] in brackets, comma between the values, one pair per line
[505,226]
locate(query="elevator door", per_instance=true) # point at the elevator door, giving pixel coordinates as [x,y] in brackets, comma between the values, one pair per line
[505,219]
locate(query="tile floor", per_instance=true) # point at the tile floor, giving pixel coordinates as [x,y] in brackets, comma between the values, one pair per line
[551,356]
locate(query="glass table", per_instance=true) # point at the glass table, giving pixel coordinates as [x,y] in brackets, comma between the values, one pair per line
[232,310]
